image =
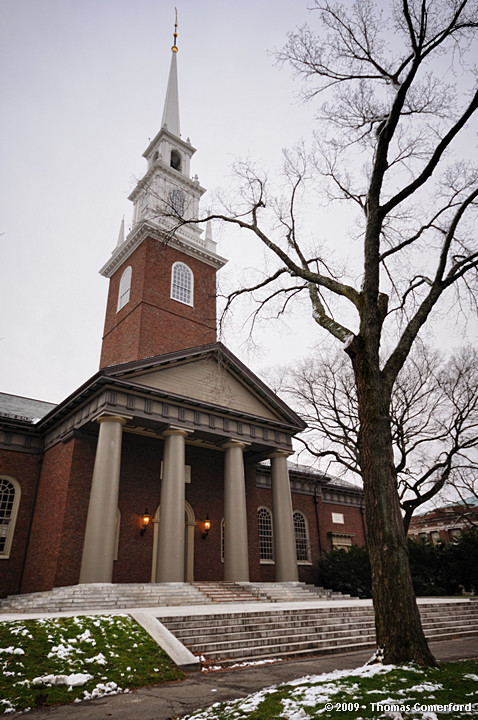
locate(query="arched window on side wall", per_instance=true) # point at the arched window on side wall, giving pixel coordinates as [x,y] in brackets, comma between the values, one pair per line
[9,502]
[266,535]
[182,283]
[124,288]
[301,531]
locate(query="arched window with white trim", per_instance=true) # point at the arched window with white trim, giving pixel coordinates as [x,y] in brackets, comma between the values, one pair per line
[182,283]
[124,288]
[266,534]
[9,503]
[301,532]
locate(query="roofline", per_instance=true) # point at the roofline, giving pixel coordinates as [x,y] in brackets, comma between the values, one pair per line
[321,478]
[211,348]
[108,375]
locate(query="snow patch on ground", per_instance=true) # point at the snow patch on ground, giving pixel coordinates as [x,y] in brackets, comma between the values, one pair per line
[100,659]
[102,689]
[315,690]
[250,663]
[74,680]
[61,651]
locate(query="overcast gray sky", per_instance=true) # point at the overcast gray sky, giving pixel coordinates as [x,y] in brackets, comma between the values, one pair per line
[82,88]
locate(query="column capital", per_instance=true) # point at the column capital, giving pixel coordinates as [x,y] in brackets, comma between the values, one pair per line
[112,418]
[235,443]
[173,430]
[280,453]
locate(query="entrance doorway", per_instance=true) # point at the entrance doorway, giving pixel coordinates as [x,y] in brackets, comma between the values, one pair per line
[189,525]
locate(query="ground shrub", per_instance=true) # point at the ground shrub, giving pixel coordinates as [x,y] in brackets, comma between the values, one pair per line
[436,569]
[347,571]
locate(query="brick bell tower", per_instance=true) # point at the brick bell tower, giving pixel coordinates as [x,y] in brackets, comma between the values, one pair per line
[162,291]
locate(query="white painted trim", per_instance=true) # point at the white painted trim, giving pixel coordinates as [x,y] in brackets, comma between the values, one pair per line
[124,291]
[178,653]
[265,561]
[5,553]
[307,537]
[191,276]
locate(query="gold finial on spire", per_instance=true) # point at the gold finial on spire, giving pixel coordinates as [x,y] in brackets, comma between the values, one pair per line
[175,34]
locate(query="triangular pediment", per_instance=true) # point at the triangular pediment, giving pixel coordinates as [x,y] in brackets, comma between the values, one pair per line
[207,381]
[211,375]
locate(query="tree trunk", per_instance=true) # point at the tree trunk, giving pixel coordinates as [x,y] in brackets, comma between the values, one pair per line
[397,620]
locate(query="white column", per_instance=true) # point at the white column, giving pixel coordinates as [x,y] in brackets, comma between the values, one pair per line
[99,543]
[170,558]
[284,537]
[236,552]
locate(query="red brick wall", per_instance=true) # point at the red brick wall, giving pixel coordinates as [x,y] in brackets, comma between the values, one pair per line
[151,323]
[55,549]
[25,469]
[205,494]
[253,501]
[352,524]
[305,504]
[76,511]
[139,490]
[56,542]
[46,535]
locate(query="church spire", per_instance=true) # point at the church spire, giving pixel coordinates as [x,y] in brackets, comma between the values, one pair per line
[171,104]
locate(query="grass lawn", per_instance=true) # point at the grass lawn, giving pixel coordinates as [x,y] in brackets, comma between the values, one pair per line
[46,662]
[374,691]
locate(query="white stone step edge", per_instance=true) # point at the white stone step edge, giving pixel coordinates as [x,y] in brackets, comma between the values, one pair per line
[178,653]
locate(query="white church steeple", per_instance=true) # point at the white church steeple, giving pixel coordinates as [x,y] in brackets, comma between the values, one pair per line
[171,103]
[167,193]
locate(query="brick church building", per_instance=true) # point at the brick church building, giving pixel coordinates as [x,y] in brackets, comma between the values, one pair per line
[171,463]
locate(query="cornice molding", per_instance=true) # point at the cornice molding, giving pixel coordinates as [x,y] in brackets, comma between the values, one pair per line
[173,139]
[151,413]
[160,167]
[182,240]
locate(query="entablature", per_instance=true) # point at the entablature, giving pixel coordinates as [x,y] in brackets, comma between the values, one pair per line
[151,413]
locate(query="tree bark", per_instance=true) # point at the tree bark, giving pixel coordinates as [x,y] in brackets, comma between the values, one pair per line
[397,620]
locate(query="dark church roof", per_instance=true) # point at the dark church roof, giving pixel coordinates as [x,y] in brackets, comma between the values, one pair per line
[21,408]
[317,476]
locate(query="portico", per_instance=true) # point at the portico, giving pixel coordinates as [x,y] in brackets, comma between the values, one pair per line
[238,437]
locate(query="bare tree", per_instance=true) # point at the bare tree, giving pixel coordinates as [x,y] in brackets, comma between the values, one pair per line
[433,413]
[466,486]
[386,140]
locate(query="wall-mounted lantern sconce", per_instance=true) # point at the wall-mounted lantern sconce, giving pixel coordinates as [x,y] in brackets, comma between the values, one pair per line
[146,518]
[207,527]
